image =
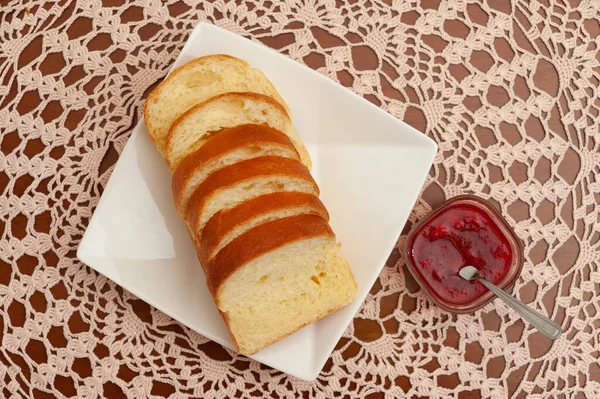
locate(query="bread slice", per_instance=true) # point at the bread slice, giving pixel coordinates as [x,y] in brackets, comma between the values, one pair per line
[242,181]
[226,225]
[195,82]
[192,129]
[226,148]
[278,277]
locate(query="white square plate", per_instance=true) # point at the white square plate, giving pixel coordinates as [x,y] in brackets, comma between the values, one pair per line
[370,168]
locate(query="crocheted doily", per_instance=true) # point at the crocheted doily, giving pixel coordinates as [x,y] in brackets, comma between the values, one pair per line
[509,90]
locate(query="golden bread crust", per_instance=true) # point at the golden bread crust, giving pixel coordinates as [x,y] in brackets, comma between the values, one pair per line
[198,107]
[223,222]
[224,142]
[239,172]
[260,240]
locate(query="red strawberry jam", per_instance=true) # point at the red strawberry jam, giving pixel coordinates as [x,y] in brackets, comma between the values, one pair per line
[464,232]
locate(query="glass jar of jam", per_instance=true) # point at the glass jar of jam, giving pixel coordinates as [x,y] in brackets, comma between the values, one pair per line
[466,230]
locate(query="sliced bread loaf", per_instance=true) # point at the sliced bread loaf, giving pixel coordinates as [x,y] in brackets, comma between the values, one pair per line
[251,207]
[234,184]
[195,82]
[226,225]
[278,277]
[192,129]
[230,146]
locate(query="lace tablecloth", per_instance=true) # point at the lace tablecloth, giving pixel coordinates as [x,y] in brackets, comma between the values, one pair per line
[509,90]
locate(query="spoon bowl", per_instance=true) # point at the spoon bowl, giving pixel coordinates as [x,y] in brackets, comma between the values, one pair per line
[469,273]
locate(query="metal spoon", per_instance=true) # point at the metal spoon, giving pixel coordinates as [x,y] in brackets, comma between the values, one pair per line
[544,325]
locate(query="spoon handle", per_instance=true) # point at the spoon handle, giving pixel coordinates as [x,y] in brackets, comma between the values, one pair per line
[544,325]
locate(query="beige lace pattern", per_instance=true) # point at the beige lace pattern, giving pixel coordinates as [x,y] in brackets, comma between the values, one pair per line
[509,90]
